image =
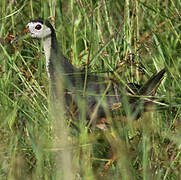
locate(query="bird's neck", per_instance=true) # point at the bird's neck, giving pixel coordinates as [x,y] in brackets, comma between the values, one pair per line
[55,58]
[56,63]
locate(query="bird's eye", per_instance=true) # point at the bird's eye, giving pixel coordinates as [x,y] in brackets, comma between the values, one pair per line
[38,27]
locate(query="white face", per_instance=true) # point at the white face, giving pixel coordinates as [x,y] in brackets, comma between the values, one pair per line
[38,30]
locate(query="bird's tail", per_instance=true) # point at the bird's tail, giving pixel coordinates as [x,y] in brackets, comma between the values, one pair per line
[151,86]
[137,104]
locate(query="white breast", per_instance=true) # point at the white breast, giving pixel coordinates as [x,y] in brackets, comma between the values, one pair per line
[47,50]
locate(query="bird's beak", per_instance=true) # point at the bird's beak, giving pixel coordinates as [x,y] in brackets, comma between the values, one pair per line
[26,30]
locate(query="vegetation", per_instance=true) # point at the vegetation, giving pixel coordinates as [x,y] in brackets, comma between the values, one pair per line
[133,39]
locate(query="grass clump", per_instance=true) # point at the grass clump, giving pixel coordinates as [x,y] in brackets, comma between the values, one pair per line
[132,38]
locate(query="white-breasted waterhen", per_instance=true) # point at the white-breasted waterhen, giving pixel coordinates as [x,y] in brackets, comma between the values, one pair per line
[97,88]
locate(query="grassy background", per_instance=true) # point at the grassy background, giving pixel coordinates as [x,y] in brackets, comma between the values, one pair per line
[132,38]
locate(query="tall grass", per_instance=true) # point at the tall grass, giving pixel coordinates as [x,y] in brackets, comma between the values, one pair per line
[133,39]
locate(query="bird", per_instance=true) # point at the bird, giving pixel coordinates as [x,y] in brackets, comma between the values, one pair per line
[100,94]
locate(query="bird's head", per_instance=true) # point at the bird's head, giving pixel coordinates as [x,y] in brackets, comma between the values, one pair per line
[39,29]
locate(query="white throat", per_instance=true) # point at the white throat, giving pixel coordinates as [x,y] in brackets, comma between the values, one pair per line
[47,51]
